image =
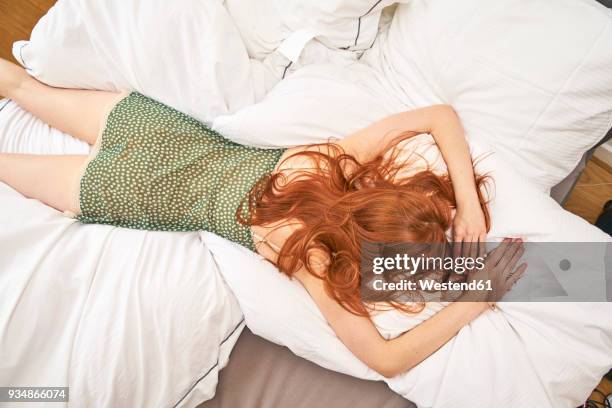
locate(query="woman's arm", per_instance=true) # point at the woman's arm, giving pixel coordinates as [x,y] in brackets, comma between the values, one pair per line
[390,357]
[444,125]
[368,142]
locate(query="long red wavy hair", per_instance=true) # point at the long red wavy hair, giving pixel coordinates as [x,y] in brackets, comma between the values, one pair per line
[342,203]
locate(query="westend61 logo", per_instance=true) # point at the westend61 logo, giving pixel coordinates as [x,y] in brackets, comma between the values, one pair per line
[547,271]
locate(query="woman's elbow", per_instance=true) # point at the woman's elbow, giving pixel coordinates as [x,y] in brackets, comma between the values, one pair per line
[390,359]
[444,107]
[389,369]
[444,111]
[389,373]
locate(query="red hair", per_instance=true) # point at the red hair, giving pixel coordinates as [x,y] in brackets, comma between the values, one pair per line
[343,203]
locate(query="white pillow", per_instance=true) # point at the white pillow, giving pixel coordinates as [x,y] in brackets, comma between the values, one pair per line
[338,24]
[187,54]
[530,78]
[315,103]
[287,35]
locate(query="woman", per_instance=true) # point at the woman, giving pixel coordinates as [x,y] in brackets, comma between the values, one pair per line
[307,209]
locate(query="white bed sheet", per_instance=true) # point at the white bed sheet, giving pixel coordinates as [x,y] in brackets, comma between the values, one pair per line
[124,318]
[145,337]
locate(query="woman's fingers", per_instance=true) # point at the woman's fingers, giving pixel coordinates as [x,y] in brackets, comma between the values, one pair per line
[497,252]
[515,276]
[457,244]
[513,261]
[482,245]
[472,245]
[473,248]
[504,262]
[467,245]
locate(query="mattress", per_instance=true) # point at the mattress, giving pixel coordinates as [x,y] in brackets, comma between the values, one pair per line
[261,374]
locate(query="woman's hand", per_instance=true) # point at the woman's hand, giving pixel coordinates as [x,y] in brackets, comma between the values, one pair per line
[469,229]
[392,357]
[500,269]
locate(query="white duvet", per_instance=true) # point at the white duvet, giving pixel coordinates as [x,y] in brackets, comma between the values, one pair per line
[132,318]
[124,318]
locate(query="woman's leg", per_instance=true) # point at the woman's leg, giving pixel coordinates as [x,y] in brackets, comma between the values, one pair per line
[50,179]
[76,112]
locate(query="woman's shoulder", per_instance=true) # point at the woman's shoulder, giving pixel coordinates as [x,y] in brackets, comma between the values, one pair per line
[293,159]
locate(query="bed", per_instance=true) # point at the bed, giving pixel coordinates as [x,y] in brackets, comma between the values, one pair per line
[155,319]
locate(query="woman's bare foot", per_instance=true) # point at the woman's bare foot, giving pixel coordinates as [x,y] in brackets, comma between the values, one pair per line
[11,77]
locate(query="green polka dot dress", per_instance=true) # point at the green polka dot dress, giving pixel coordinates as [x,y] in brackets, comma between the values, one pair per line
[158,169]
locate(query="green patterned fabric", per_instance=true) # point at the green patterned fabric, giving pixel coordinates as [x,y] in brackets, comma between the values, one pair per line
[158,169]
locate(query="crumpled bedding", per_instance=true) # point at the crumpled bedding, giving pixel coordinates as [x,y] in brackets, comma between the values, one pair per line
[125,318]
[134,318]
